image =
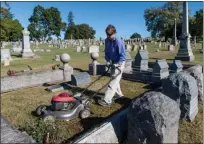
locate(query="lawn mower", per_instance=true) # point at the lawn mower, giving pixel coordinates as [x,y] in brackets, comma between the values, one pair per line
[67,107]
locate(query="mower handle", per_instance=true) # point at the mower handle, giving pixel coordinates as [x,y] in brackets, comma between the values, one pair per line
[88,99]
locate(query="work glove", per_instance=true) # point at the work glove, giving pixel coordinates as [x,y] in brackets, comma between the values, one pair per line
[108,64]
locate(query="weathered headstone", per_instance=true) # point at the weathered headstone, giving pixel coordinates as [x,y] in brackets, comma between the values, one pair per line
[80,79]
[160,71]
[26,50]
[182,88]
[185,52]
[196,72]
[153,118]
[176,66]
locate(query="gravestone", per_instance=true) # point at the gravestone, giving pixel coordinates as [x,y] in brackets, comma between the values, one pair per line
[15,48]
[47,50]
[93,48]
[159,44]
[160,71]
[57,57]
[80,79]
[78,49]
[185,52]
[128,61]
[26,50]
[176,66]
[201,51]
[128,47]
[141,61]
[6,62]
[83,48]
[196,72]
[135,47]
[182,88]
[174,38]
[153,118]
[171,47]
[145,47]
[5,54]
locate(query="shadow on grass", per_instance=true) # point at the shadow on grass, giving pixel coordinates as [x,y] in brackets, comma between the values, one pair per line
[160,58]
[16,55]
[91,123]
[80,70]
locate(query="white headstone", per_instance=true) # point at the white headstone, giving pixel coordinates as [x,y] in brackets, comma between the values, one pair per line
[26,51]
[93,48]
[5,54]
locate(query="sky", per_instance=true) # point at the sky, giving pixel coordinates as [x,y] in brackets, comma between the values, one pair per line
[127,17]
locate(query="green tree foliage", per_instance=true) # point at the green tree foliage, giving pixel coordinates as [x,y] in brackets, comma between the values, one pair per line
[70,19]
[11,29]
[135,35]
[81,31]
[196,24]
[159,21]
[45,23]
[69,30]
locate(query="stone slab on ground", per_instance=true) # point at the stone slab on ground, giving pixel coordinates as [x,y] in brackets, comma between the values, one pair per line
[10,83]
[12,135]
[113,130]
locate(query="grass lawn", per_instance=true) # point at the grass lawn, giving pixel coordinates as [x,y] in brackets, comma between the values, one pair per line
[19,106]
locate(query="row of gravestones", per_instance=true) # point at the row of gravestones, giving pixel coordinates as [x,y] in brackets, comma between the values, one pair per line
[153,117]
[159,71]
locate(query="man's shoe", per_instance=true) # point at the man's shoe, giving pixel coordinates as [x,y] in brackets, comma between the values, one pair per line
[103,103]
[117,97]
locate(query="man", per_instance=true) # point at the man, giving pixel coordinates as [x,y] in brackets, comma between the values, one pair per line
[114,55]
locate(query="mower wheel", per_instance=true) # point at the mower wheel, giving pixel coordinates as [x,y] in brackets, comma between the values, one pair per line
[49,119]
[85,114]
[40,109]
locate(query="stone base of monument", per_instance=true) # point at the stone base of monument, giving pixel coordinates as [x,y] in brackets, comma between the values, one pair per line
[143,76]
[113,130]
[27,54]
[185,58]
[185,55]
